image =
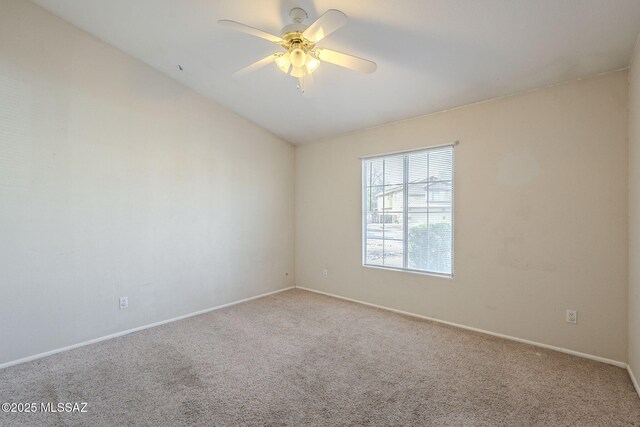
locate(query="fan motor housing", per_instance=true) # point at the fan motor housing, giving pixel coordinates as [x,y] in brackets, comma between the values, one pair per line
[294,39]
[293,28]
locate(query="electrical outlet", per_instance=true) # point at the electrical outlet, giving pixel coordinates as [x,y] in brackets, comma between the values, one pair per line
[572,316]
[124,302]
[325,273]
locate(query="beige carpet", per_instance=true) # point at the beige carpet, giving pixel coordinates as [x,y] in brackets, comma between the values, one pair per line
[297,358]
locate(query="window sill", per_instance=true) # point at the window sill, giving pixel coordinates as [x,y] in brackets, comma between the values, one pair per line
[403,270]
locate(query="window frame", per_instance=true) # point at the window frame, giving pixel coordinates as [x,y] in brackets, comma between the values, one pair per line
[405,183]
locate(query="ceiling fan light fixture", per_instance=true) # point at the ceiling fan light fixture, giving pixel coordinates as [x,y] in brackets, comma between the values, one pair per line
[298,57]
[312,64]
[284,62]
[297,71]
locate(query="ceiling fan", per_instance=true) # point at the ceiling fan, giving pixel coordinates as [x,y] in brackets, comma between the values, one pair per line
[301,57]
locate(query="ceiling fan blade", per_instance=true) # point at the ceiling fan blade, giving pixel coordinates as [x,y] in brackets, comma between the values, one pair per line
[347,61]
[329,22]
[307,86]
[256,65]
[249,30]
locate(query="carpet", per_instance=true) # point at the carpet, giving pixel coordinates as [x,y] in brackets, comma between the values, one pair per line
[297,358]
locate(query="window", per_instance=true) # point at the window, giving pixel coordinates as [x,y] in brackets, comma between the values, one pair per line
[408,211]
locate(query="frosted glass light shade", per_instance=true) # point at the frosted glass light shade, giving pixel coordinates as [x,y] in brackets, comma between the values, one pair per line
[297,71]
[284,62]
[312,64]
[298,57]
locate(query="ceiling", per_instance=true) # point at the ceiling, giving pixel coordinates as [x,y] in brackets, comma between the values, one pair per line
[431,54]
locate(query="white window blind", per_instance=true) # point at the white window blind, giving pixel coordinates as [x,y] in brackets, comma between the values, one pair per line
[408,211]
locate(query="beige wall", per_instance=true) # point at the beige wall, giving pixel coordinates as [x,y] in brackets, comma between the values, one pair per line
[634,214]
[117,181]
[540,221]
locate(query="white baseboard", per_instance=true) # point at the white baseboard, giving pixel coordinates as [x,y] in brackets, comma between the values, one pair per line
[633,380]
[470,328]
[139,328]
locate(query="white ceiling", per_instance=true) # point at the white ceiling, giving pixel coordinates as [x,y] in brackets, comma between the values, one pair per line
[432,54]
